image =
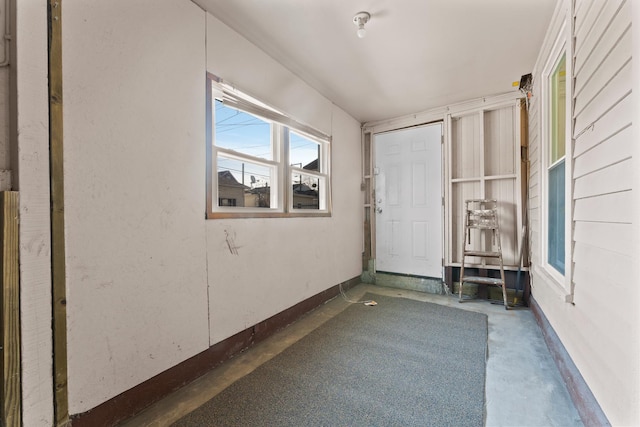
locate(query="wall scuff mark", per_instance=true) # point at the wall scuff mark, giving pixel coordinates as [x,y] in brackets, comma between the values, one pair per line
[231,244]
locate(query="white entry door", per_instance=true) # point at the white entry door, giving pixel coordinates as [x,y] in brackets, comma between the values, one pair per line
[408,201]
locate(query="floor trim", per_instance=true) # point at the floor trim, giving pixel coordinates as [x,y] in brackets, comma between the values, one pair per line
[133,401]
[585,402]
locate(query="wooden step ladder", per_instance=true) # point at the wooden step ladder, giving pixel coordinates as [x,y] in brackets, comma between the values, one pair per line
[482,214]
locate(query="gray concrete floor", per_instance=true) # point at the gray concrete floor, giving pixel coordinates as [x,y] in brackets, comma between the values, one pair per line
[523,386]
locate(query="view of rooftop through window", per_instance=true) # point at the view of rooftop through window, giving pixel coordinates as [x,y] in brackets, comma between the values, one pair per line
[265,159]
[247,134]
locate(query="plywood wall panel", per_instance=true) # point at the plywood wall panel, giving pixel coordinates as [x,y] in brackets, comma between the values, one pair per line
[460,192]
[134,123]
[465,152]
[500,149]
[505,192]
[32,181]
[485,148]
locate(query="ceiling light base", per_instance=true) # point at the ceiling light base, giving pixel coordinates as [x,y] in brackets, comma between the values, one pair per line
[359,20]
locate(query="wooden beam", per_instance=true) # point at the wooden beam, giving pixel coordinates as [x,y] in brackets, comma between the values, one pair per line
[10,309]
[61,401]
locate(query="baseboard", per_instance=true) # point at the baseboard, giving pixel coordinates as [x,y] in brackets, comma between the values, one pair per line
[586,404]
[430,285]
[135,400]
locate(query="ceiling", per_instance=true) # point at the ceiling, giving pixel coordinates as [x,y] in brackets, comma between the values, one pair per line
[417,54]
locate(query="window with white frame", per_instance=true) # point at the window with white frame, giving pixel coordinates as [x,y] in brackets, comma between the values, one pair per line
[555,164]
[261,162]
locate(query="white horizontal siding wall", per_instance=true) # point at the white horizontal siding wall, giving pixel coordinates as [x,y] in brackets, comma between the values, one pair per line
[600,328]
[603,204]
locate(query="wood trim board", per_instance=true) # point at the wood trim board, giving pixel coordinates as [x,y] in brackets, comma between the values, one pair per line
[58,274]
[10,309]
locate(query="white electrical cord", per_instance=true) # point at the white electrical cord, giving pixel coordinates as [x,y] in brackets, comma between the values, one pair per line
[365,302]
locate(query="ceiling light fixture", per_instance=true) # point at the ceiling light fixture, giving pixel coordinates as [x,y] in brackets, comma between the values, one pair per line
[360,19]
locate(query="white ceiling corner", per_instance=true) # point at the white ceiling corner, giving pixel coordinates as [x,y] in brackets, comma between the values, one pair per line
[417,54]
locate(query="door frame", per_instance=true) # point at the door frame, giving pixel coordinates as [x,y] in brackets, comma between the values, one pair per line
[372,186]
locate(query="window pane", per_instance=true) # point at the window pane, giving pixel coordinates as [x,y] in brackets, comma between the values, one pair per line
[558,110]
[306,191]
[243,184]
[556,217]
[303,152]
[242,132]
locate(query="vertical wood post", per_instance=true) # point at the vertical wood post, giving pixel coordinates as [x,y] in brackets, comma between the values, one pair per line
[367,179]
[61,404]
[10,310]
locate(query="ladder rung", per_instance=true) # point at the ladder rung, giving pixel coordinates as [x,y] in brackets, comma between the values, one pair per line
[483,212]
[483,226]
[483,254]
[483,280]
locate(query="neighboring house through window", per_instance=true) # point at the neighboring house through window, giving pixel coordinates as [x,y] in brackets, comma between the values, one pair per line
[261,162]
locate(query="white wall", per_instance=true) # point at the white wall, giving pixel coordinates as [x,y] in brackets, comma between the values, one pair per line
[281,262]
[134,186]
[31,118]
[150,282]
[595,313]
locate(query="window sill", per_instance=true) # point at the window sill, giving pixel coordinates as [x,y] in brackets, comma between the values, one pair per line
[554,283]
[238,215]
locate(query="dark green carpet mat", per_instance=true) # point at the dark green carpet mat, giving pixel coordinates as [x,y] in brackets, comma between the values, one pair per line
[400,363]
